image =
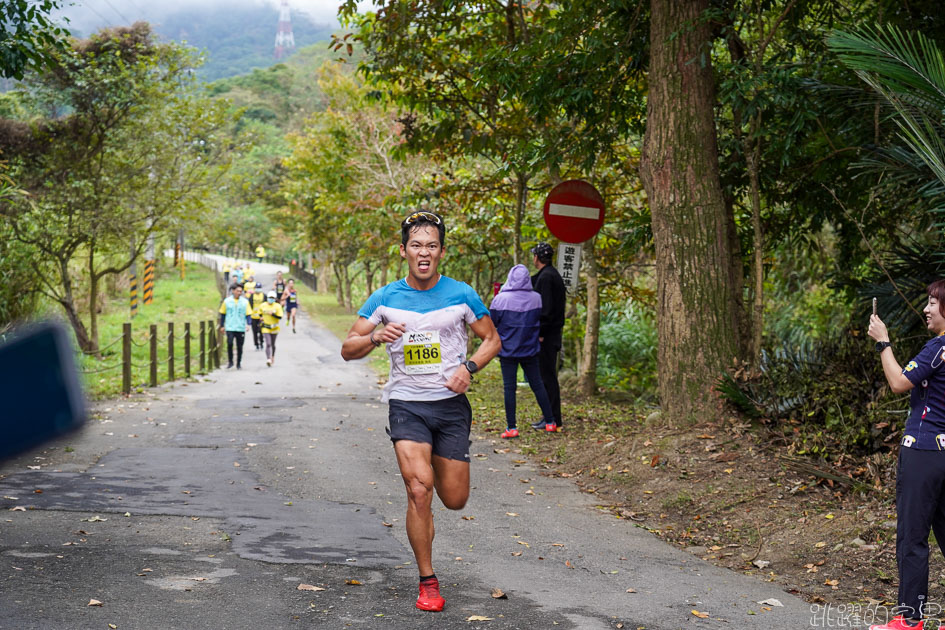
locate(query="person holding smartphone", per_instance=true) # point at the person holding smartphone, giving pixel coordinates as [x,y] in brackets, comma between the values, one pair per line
[920,475]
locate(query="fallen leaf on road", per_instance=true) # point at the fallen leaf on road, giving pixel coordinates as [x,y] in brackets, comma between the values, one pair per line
[516,553]
[37,491]
[353,582]
[113,626]
[468,518]
[497,593]
[94,602]
[18,508]
[832,583]
[11,498]
[761,564]
[820,544]
[309,587]
[386,524]
[530,492]
[706,436]
[147,570]
[700,615]
[479,618]
[522,542]
[771,602]
[236,464]
[199,579]
[95,519]
[557,544]
[511,514]
[631,590]
[567,563]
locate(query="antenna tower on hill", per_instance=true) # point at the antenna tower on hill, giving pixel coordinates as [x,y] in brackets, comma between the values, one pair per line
[285,42]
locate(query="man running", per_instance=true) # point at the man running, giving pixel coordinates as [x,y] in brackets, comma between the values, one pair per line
[255,301]
[233,320]
[424,318]
[290,298]
[271,312]
[279,286]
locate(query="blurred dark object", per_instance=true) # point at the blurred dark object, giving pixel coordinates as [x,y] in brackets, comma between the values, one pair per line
[40,384]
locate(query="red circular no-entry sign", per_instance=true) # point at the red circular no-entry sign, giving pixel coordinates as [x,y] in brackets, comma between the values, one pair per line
[574,211]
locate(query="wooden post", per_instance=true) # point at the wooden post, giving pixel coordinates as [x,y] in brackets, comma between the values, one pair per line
[221,340]
[170,351]
[153,339]
[203,347]
[126,358]
[187,349]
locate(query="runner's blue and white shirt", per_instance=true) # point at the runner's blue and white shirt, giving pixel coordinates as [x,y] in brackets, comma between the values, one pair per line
[424,358]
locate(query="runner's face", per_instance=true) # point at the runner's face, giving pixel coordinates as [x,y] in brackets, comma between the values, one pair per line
[423,252]
[933,317]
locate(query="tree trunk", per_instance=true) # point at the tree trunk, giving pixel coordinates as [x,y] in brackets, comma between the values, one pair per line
[339,284]
[521,196]
[93,303]
[587,376]
[67,301]
[680,171]
[369,277]
[753,154]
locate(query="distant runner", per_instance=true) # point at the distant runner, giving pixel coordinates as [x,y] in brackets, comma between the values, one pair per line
[424,318]
[271,312]
[291,301]
[257,300]
[279,286]
[233,320]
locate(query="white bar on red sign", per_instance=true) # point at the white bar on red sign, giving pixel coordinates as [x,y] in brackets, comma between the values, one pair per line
[580,212]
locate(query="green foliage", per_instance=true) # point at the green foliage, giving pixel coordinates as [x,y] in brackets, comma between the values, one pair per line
[28,35]
[135,154]
[827,397]
[627,350]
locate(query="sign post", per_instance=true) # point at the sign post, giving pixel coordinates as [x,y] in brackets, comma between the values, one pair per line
[574,213]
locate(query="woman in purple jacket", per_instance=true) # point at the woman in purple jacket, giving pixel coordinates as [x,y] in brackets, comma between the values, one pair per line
[515,311]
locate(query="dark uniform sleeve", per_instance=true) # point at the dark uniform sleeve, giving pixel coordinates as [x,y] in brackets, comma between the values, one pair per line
[927,362]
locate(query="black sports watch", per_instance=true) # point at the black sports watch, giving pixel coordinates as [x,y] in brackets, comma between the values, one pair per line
[882,345]
[471,366]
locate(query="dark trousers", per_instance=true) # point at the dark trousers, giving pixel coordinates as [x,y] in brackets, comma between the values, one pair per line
[920,506]
[548,366]
[510,383]
[257,333]
[238,336]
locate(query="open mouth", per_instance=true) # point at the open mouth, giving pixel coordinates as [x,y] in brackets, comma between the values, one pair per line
[423,265]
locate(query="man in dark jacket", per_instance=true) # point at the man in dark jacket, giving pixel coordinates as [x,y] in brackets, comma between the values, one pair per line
[548,283]
[516,313]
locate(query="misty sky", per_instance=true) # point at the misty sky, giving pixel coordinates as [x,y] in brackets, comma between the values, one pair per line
[88,15]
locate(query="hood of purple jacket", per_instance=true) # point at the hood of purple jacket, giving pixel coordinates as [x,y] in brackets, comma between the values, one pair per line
[518,280]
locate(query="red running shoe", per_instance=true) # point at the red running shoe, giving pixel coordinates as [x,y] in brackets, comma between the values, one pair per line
[551,427]
[509,433]
[430,598]
[898,623]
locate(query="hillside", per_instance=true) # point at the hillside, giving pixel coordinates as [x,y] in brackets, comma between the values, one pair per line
[236,37]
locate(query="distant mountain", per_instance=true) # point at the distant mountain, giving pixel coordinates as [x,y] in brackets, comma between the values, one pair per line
[236,39]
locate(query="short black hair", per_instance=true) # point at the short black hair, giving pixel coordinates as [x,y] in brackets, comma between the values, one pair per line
[418,219]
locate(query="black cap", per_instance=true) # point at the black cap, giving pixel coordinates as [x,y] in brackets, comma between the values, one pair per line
[544,252]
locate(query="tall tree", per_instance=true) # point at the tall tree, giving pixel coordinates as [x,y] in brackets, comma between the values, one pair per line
[133,154]
[680,170]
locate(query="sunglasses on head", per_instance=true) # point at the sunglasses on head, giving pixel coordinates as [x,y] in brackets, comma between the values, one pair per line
[421,216]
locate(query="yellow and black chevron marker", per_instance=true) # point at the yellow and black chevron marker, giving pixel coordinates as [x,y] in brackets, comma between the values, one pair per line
[134,291]
[148,281]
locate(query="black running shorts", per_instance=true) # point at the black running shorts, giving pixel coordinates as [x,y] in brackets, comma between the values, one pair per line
[445,424]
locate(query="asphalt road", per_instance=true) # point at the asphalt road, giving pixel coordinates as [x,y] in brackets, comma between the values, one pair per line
[206,504]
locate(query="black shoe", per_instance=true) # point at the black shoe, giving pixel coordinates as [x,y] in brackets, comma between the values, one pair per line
[229,366]
[239,367]
[540,425]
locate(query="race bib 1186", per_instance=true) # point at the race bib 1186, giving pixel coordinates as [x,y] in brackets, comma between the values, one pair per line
[422,352]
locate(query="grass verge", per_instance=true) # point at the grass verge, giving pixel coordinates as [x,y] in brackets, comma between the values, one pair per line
[192,300]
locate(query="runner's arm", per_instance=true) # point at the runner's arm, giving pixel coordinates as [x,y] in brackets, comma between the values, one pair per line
[490,346]
[358,343]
